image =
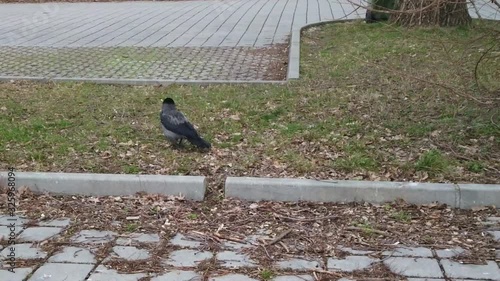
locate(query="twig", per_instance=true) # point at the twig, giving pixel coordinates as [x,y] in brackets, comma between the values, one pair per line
[284,246]
[317,270]
[279,237]
[237,240]
[308,220]
[267,253]
[368,230]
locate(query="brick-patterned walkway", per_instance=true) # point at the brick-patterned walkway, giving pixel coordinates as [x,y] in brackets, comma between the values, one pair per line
[89,40]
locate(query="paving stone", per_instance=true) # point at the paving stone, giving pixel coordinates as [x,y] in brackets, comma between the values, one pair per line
[62,222]
[104,274]
[298,264]
[351,263]
[414,267]
[235,260]
[183,241]
[8,220]
[449,253]
[471,271]
[74,255]
[495,234]
[232,277]
[37,234]
[354,252]
[18,275]
[294,278]
[5,231]
[131,253]
[187,258]
[409,252]
[179,275]
[93,237]
[426,279]
[25,251]
[138,238]
[61,272]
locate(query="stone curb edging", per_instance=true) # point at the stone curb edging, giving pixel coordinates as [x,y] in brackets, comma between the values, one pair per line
[463,196]
[191,187]
[138,82]
[293,71]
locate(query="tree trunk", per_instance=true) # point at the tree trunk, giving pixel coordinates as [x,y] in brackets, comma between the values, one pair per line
[411,13]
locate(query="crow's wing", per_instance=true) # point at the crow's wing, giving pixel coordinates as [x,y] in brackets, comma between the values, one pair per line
[176,122]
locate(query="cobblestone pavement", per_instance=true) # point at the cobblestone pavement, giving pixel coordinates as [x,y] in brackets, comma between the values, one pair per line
[159,40]
[42,253]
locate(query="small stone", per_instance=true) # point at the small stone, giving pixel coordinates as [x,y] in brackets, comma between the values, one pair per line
[74,255]
[187,258]
[350,263]
[299,264]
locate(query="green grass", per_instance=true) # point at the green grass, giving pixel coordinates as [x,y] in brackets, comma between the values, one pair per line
[266,274]
[373,101]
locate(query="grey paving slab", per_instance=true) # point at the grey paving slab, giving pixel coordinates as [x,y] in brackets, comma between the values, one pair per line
[93,237]
[495,234]
[293,278]
[15,220]
[61,272]
[414,267]
[354,251]
[299,264]
[187,258]
[61,222]
[351,263]
[232,277]
[39,233]
[449,253]
[231,259]
[6,231]
[73,255]
[489,271]
[102,273]
[130,253]
[134,238]
[182,241]
[24,251]
[409,252]
[19,274]
[178,275]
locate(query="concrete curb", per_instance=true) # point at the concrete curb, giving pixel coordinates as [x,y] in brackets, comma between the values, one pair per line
[293,71]
[191,187]
[138,82]
[463,196]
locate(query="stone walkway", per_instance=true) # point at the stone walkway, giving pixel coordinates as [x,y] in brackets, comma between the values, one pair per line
[42,254]
[168,41]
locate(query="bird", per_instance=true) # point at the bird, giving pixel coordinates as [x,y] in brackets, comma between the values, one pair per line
[176,127]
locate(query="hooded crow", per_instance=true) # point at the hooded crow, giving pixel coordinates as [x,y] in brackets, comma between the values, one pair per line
[176,127]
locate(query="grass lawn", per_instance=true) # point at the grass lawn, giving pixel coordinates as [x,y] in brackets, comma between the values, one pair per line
[373,102]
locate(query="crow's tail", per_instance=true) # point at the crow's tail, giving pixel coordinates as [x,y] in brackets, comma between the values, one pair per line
[200,143]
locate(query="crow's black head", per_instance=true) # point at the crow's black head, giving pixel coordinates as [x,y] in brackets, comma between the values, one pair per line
[168,101]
